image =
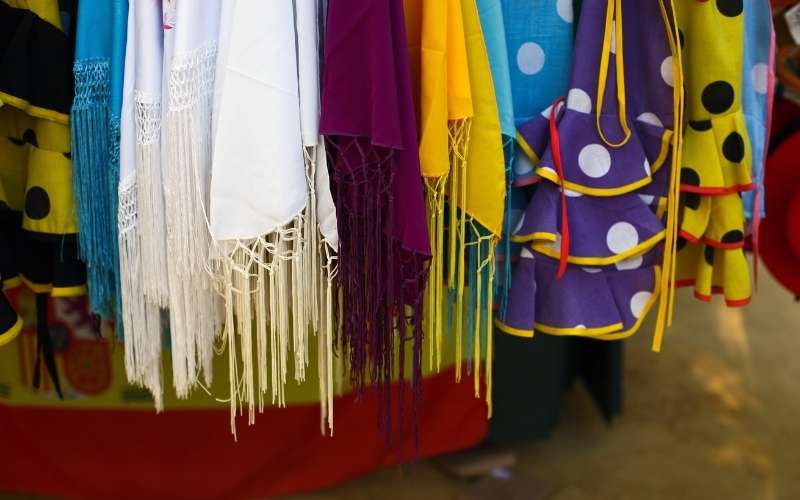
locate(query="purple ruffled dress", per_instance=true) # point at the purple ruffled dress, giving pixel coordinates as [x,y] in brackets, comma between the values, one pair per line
[615,189]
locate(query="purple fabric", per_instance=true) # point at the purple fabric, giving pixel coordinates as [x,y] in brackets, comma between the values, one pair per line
[592,221]
[369,122]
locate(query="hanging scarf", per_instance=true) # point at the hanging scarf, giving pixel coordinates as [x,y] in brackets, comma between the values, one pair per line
[368,118]
[140,314]
[717,155]
[266,227]
[195,312]
[91,147]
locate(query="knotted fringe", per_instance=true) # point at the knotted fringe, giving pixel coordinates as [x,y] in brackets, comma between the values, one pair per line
[140,319]
[92,179]
[434,293]
[320,264]
[150,199]
[113,188]
[457,221]
[381,284]
[261,281]
[195,312]
[503,285]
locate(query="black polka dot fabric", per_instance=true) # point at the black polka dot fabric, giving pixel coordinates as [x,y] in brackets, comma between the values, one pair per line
[718,97]
[730,8]
[733,148]
[37,203]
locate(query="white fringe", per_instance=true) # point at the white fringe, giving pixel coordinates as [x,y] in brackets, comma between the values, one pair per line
[150,198]
[195,312]
[140,319]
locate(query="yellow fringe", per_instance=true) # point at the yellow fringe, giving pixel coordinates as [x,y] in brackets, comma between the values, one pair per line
[434,293]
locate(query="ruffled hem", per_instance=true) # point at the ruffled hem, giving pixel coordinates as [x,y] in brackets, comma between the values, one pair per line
[590,167]
[599,303]
[715,220]
[717,156]
[714,271]
[603,231]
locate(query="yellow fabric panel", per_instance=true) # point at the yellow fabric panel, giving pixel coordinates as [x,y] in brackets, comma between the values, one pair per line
[485,171]
[49,202]
[713,56]
[46,9]
[426,28]
[459,94]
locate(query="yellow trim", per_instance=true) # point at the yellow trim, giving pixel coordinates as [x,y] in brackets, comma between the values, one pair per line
[69,291]
[35,287]
[602,261]
[527,149]
[11,283]
[12,333]
[577,332]
[666,140]
[528,334]
[613,15]
[35,111]
[539,235]
[647,308]
[662,206]
[552,176]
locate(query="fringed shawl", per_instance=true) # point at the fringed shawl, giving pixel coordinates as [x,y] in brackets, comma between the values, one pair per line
[368,118]
[139,134]
[264,175]
[100,31]
[195,309]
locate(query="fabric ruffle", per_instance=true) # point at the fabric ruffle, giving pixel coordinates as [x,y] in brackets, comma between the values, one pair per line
[590,167]
[712,271]
[603,231]
[603,303]
[716,156]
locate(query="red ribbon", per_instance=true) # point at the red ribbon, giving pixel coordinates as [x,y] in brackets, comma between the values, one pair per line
[555,144]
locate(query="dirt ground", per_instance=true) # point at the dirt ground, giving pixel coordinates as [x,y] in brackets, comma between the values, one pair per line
[715,415]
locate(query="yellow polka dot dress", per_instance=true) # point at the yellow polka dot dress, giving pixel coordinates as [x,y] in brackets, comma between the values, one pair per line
[716,161]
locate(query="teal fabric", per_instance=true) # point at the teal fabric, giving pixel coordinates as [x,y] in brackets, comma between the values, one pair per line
[99,66]
[757,78]
[494,36]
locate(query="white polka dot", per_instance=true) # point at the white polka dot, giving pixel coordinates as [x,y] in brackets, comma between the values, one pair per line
[647,198]
[526,254]
[639,302]
[647,167]
[650,118]
[556,245]
[546,113]
[668,72]
[628,264]
[760,76]
[613,47]
[622,237]
[572,194]
[520,224]
[530,58]
[522,164]
[564,8]
[592,270]
[594,160]
[578,100]
[580,327]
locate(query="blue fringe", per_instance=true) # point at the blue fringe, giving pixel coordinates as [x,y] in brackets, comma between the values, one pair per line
[503,283]
[92,179]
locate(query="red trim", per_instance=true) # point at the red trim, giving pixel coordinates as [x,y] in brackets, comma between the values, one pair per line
[684,283]
[555,142]
[738,303]
[688,237]
[702,297]
[723,246]
[713,191]
[191,453]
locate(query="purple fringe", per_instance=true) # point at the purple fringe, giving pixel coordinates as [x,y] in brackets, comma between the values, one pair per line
[377,277]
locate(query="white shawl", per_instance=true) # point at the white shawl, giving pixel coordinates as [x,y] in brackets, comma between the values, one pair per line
[195,312]
[269,188]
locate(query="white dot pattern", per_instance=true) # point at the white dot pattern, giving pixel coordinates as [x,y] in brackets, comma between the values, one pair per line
[621,237]
[578,100]
[760,77]
[667,71]
[594,160]
[530,58]
[639,302]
